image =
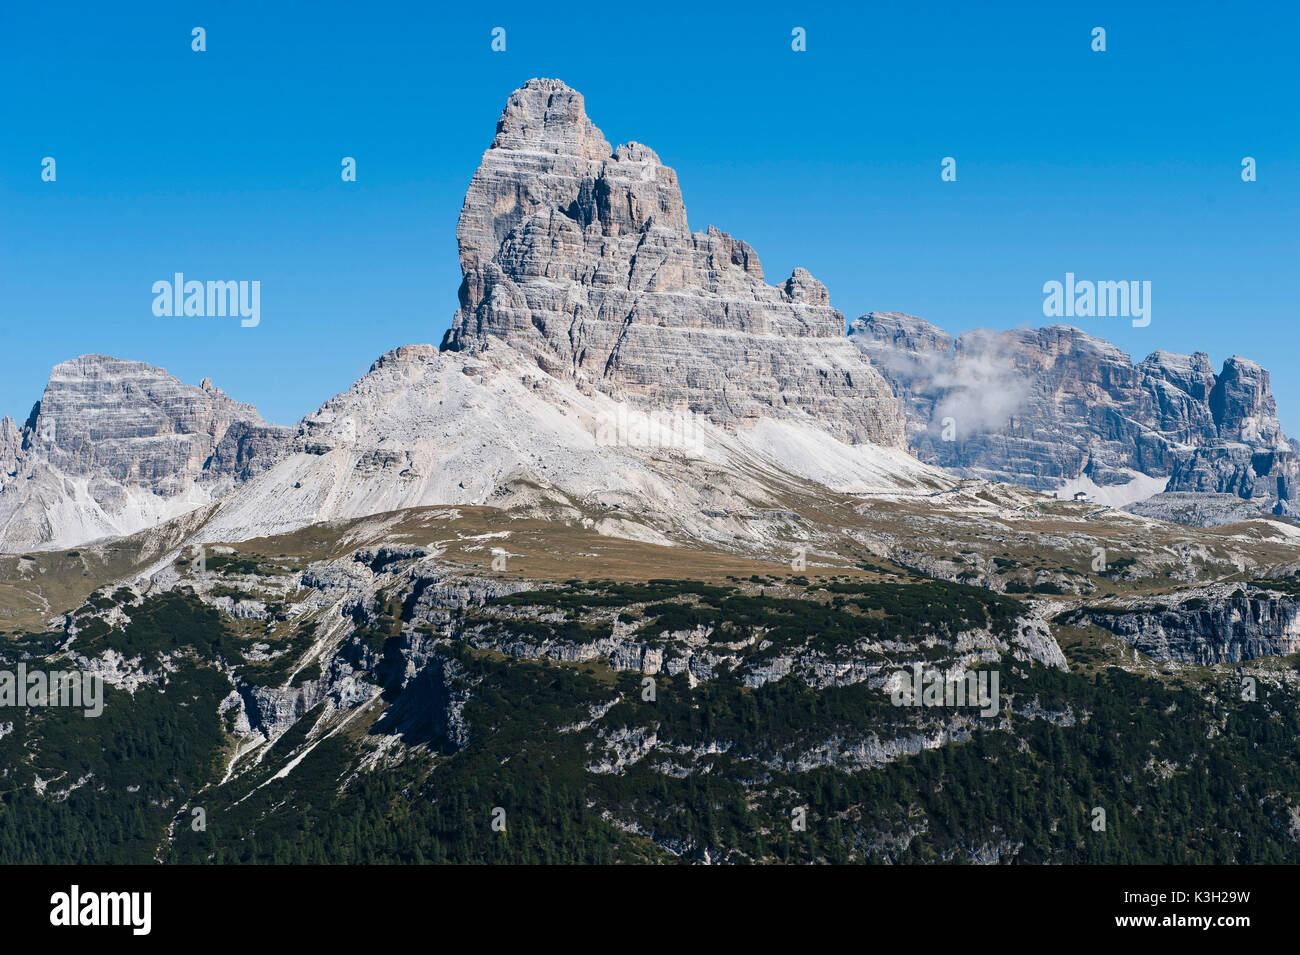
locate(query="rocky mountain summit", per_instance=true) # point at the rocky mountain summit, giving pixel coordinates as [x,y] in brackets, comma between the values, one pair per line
[592,324]
[114,446]
[607,365]
[1057,409]
[580,255]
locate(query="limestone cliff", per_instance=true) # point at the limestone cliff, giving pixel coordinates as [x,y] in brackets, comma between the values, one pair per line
[580,255]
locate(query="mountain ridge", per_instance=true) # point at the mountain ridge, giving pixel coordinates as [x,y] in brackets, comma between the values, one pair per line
[1057,409]
[583,290]
[115,446]
[587,303]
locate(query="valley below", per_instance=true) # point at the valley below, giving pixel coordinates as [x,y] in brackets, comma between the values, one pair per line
[465,684]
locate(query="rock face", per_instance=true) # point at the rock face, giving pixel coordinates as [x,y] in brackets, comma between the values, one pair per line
[114,446]
[11,442]
[131,422]
[1251,457]
[1055,408]
[245,450]
[580,256]
[1221,624]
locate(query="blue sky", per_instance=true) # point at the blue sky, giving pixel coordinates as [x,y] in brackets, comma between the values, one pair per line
[225,165]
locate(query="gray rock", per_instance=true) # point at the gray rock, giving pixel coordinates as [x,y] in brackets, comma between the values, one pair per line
[114,446]
[11,442]
[1213,625]
[130,422]
[1049,406]
[245,451]
[580,256]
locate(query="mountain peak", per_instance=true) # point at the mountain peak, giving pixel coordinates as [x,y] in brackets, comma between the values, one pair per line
[145,445]
[548,115]
[900,330]
[581,257]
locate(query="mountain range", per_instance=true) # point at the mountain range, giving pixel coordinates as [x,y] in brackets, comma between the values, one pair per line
[641,559]
[584,296]
[1056,409]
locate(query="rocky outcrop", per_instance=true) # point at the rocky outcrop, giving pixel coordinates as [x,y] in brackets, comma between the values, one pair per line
[114,446]
[1212,625]
[580,256]
[245,450]
[1195,508]
[11,442]
[1252,458]
[1057,409]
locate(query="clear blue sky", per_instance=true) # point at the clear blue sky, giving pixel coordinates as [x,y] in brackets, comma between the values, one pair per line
[225,165]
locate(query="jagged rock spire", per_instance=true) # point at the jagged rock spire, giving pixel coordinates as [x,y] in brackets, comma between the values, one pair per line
[580,256]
